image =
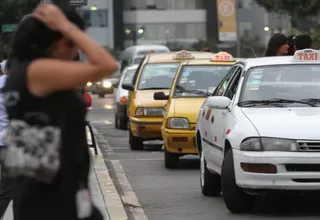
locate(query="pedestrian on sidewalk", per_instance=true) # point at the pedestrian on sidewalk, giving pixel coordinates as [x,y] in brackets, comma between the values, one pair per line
[303,41]
[277,46]
[291,45]
[46,139]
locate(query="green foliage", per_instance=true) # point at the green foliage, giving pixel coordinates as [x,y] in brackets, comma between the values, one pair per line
[11,12]
[314,34]
[296,8]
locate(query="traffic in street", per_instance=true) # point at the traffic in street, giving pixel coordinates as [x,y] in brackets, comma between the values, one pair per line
[150,191]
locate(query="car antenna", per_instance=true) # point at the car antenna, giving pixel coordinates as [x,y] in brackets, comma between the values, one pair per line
[254,54]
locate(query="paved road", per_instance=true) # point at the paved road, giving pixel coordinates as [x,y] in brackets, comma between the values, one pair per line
[175,194]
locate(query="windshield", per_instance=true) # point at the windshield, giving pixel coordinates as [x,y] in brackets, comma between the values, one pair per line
[290,82]
[137,60]
[199,80]
[158,75]
[129,77]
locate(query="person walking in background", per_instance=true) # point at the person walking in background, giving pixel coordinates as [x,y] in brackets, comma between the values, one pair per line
[303,41]
[291,45]
[277,46]
[41,95]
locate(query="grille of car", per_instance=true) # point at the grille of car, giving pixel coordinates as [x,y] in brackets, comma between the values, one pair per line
[309,146]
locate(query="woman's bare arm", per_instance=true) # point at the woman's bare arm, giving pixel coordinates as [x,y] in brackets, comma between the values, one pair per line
[50,75]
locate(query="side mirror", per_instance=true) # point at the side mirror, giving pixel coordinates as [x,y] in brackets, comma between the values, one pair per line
[127,87]
[218,102]
[160,96]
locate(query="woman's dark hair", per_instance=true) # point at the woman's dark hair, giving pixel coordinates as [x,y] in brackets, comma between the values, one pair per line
[275,42]
[290,42]
[33,39]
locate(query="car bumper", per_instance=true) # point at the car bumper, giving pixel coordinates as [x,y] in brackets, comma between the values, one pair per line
[148,128]
[294,170]
[179,141]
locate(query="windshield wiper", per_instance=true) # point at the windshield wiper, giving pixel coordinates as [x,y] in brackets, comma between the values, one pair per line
[311,100]
[154,88]
[249,103]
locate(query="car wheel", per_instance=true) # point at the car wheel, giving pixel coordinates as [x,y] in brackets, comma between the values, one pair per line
[210,182]
[116,121]
[123,123]
[101,95]
[171,161]
[236,200]
[136,143]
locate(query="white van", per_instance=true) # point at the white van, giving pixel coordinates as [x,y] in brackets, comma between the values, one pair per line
[134,54]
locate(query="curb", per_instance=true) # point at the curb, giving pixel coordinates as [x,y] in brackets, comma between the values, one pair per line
[112,199]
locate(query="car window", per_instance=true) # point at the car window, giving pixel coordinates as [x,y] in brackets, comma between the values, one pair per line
[294,82]
[128,76]
[223,84]
[233,85]
[158,75]
[199,80]
[138,60]
[116,74]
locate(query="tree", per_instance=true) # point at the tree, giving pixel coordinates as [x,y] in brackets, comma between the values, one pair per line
[297,9]
[292,7]
[11,12]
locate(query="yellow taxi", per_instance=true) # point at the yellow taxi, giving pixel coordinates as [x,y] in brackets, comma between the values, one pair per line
[154,74]
[195,80]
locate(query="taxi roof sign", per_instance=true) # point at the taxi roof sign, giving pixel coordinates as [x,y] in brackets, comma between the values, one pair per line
[223,56]
[307,55]
[183,55]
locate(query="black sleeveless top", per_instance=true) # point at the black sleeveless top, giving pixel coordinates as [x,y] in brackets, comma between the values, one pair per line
[66,109]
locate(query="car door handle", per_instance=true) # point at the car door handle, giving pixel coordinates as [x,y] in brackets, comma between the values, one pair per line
[212,119]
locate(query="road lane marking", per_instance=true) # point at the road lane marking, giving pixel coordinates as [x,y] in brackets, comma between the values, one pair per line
[112,199]
[129,197]
[141,159]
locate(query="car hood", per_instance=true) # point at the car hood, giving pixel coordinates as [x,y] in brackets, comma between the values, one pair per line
[188,107]
[144,98]
[295,123]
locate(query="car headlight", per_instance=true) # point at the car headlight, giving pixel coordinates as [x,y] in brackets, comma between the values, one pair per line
[107,84]
[178,123]
[150,112]
[268,144]
[89,83]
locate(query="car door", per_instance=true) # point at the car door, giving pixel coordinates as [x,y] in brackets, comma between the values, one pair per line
[221,117]
[209,135]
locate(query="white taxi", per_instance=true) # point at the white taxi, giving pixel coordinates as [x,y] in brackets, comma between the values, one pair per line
[261,134]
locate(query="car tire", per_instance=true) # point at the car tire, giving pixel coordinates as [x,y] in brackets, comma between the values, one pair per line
[123,123]
[171,161]
[136,143]
[210,182]
[116,121]
[101,95]
[236,200]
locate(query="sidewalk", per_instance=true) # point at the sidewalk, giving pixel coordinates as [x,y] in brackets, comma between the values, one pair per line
[96,194]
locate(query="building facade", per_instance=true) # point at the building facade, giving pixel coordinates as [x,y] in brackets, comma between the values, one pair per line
[160,21]
[98,16]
